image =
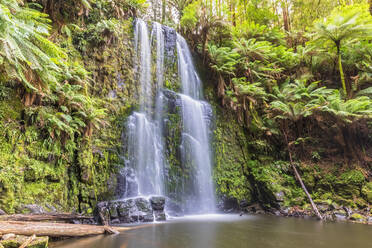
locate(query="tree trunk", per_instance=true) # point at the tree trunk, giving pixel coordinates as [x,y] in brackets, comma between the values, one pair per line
[43,217]
[298,177]
[163,11]
[285,16]
[306,192]
[342,76]
[55,229]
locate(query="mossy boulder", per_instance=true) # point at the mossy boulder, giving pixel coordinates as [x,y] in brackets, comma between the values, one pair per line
[358,217]
[38,242]
[367,192]
[10,243]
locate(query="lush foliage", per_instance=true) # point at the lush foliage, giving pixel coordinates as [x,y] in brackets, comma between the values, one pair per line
[299,74]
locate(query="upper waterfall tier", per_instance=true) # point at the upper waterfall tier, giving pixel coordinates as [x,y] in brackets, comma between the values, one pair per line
[191,84]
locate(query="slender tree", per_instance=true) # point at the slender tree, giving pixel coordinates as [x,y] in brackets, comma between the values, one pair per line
[339,28]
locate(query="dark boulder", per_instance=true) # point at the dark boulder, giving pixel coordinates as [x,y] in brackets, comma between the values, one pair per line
[143,205]
[157,203]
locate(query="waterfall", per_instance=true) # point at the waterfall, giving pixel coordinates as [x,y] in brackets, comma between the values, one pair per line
[145,150]
[145,139]
[195,136]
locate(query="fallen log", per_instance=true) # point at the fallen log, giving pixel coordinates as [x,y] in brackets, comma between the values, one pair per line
[56,229]
[44,217]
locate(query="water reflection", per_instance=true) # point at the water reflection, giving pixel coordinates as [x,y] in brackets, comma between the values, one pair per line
[228,231]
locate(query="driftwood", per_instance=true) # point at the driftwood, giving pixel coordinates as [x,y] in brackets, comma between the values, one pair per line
[44,217]
[56,229]
[298,177]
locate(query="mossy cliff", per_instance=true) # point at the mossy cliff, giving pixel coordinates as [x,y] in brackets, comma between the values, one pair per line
[70,174]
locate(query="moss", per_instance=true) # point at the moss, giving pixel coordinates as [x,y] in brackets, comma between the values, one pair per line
[326,197]
[354,177]
[10,243]
[230,171]
[40,242]
[11,106]
[367,192]
[343,201]
[361,203]
[348,185]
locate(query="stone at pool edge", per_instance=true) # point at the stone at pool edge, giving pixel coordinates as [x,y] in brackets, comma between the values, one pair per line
[8,236]
[160,216]
[358,217]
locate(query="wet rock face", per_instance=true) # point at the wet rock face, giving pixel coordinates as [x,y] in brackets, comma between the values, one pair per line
[170,37]
[173,208]
[127,184]
[228,204]
[131,210]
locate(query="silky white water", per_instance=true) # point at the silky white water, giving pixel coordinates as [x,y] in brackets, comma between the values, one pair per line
[195,147]
[145,150]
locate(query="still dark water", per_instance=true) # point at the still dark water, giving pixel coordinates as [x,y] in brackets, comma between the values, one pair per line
[232,231]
